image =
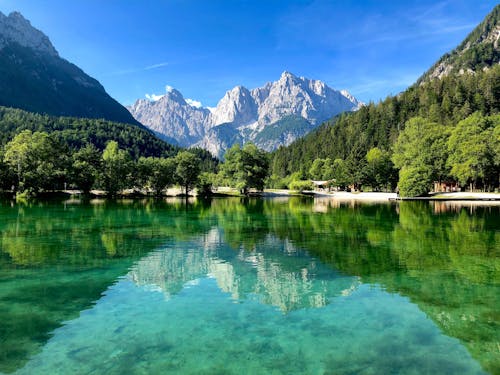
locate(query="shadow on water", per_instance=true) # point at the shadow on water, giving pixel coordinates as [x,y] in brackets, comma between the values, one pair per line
[58,258]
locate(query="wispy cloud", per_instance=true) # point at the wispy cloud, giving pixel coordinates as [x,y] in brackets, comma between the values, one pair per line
[367,85]
[415,35]
[156,66]
[137,70]
[299,28]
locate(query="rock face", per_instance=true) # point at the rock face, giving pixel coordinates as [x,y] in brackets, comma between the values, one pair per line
[186,124]
[16,29]
[276,114]
[33,77]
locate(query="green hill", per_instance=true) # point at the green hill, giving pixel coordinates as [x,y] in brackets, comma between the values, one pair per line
[445,100]
[76,132]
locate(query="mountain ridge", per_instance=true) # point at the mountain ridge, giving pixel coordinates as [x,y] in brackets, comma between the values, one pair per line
[247,112]
[479,50]
[33,77]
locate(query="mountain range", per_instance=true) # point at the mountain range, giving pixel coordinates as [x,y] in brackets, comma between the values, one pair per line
[35,78]
[270,116]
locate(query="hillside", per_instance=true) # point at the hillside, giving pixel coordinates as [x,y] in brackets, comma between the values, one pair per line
[445,99]
[35,78]
[76,132]
[477,52]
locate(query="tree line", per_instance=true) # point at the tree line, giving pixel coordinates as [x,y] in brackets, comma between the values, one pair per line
[348,139]
[37,162]
[424,152]
[441,130]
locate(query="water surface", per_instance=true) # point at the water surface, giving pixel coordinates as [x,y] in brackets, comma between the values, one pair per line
[281,286]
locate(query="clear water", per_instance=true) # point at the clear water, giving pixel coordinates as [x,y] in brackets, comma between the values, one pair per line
[292,286]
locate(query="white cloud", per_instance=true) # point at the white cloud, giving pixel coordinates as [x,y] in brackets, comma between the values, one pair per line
[154,97]
[194,103]
[169,89]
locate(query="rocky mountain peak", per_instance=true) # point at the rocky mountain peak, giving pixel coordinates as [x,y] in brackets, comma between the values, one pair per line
[237,105]
[286,75]
[289,79]
[272,115]
[174,95]
[14,28]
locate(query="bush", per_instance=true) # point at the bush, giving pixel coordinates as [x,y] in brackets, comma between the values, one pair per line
[414,181]
[301,185]
[277,182]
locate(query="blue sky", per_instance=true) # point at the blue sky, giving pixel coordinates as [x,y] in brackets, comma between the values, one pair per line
[203,48]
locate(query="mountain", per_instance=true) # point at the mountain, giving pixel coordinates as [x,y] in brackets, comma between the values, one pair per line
[35,78]
[477,52]
[462,82]
[172,118]
[296,105]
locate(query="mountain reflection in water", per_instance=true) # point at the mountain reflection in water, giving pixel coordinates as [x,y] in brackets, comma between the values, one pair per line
[276,274]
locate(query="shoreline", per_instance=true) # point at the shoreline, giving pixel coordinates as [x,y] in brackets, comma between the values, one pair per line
[284,193]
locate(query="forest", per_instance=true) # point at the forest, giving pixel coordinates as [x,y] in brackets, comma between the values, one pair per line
[456,117]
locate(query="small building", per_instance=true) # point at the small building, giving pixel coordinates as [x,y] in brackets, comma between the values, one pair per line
[327,185]
[446,186]
[321,185]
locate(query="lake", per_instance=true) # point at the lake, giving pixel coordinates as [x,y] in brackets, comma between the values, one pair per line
[249,286]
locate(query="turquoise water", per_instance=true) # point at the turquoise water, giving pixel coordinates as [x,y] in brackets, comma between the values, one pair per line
[249,287]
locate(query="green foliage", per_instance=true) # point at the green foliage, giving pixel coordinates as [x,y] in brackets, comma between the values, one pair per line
[206,182]
[245,167]
[379,171]
[86,167]
[422,143]
[208,163]
[78,143]
[117,168]
[473,149]
[78,132]
[187,170]
[414,180]
[38,161]
[301,185]
[276,182]
[317,169]
[7,176]
[350,136]
[156,173]
[340,173]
